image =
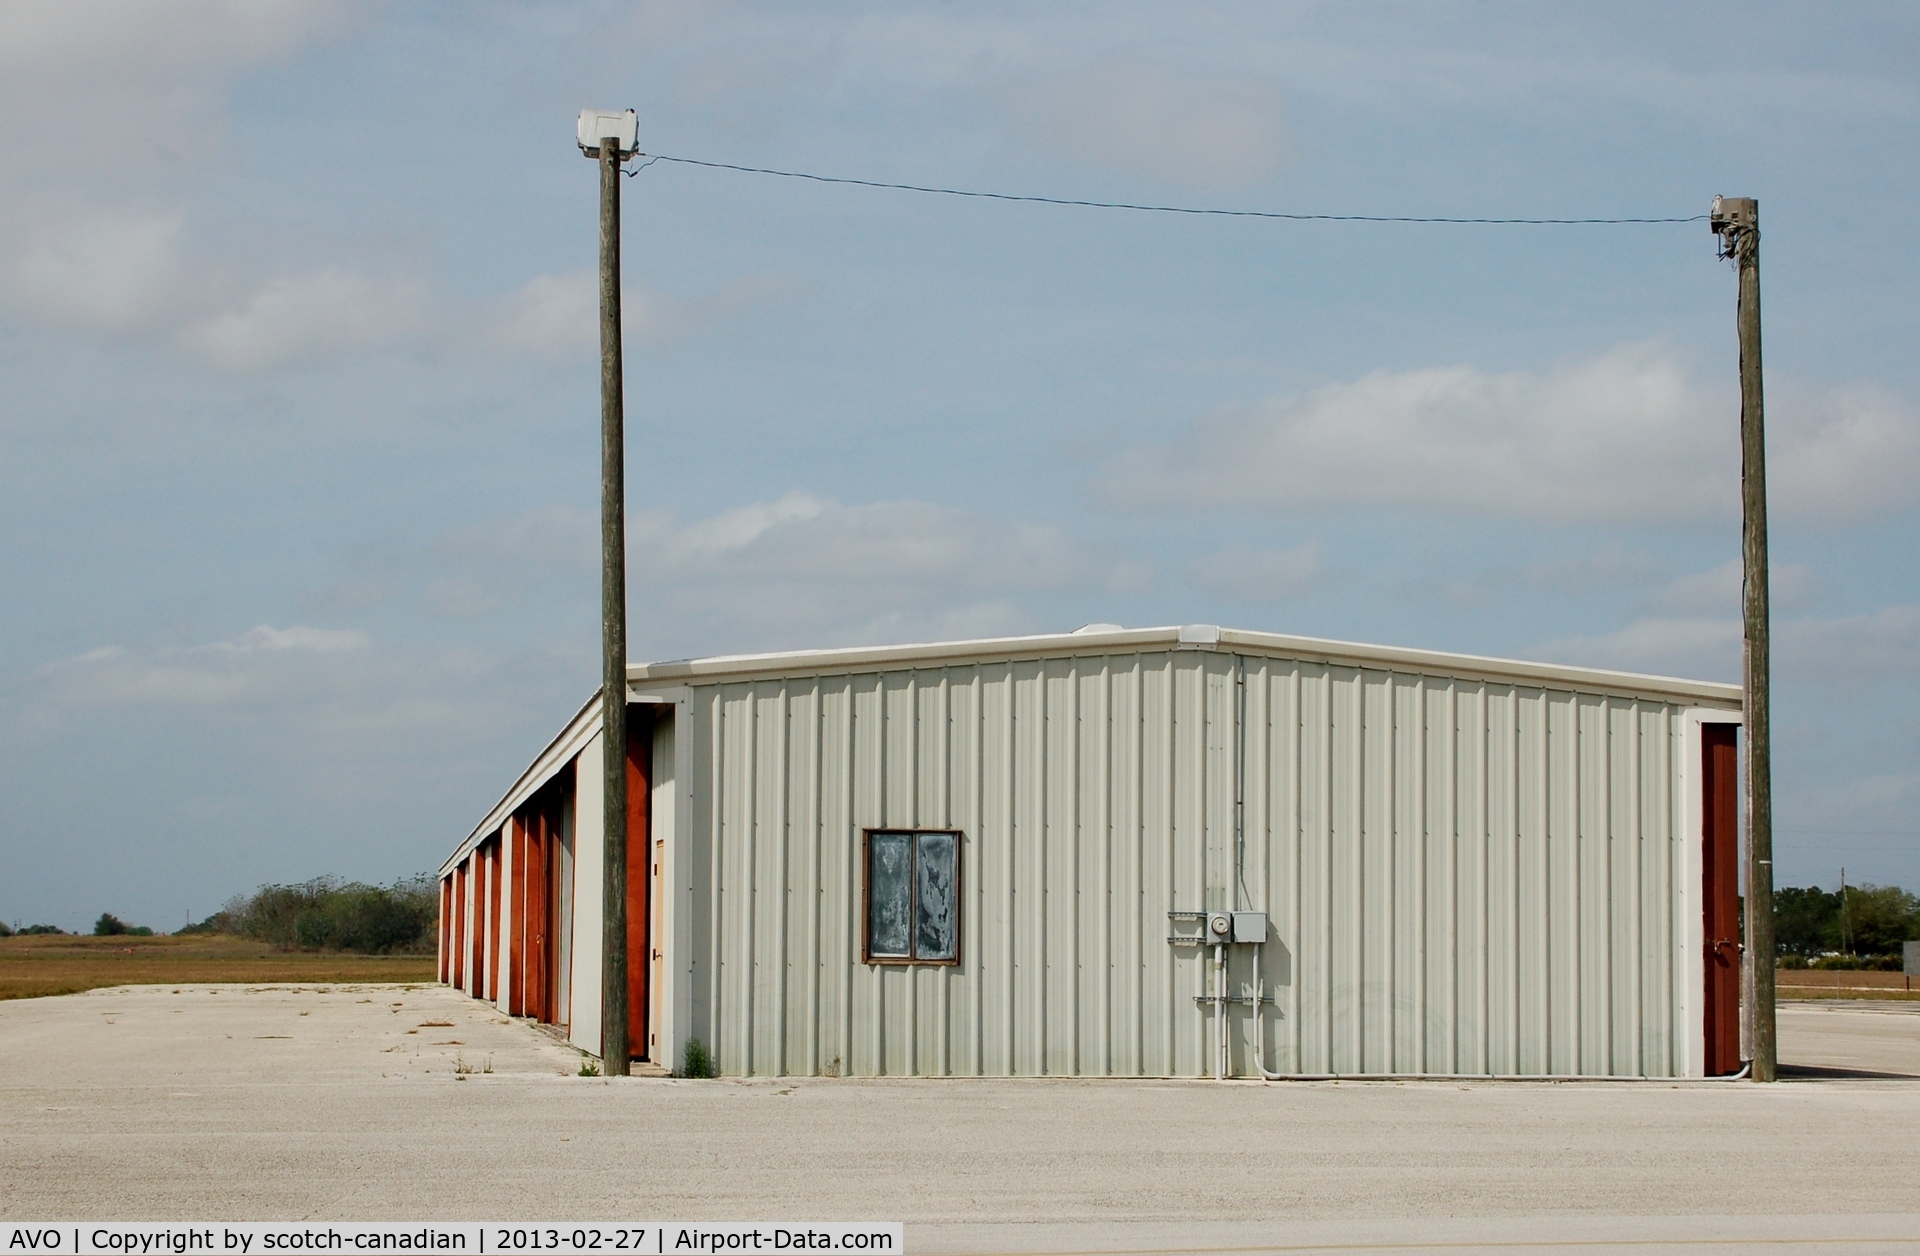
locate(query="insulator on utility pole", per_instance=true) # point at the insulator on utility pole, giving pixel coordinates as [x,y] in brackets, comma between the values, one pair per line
[610,139]
[1736,220]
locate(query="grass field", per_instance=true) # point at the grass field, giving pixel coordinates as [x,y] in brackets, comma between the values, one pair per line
[56,964]
[1809,983]
[51,964]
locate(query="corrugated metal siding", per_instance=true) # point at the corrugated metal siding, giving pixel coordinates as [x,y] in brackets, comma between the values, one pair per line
[1462,876]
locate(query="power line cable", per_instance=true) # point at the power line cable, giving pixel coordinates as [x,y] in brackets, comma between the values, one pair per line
[1154,209]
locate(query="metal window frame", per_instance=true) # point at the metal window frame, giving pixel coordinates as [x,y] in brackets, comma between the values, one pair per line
[913,902]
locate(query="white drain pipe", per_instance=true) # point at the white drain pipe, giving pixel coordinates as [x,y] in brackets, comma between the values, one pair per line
[1220,1009]
[1260,1021]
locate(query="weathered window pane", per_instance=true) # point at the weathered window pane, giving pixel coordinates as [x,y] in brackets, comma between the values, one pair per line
[935,933]
[889,893]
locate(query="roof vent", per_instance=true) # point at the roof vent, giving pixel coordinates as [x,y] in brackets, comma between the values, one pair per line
[1200,634]
[1098,628]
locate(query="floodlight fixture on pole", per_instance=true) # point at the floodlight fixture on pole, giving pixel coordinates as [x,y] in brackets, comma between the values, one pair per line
[1736,220]
[597,125]
[611,138]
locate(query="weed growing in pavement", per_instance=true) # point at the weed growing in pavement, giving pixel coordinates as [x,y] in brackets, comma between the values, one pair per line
[694,1060]
[588,1068]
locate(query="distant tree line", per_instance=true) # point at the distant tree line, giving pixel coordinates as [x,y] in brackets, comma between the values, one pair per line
[328,914]
[111,926]
[324,914]
[27,931]
[1862,926]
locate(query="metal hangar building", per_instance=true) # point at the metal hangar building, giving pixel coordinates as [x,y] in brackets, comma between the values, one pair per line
[1165,852]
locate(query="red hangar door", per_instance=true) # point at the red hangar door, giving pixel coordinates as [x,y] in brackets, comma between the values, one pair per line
[1720,885]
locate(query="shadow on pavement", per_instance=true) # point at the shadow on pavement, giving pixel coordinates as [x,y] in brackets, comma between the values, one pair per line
[1820,1072]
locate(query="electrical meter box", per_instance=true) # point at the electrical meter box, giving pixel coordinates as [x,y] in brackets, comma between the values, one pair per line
[1223,927]
[1218,928]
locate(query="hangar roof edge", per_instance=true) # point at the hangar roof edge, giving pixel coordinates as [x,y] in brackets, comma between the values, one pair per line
[721,668]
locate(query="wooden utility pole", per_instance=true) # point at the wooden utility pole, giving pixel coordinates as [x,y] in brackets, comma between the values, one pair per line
[613,625]
[1846,948]
[1736,220]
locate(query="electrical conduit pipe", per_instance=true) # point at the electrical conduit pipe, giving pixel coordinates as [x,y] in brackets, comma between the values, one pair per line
[1220,1010]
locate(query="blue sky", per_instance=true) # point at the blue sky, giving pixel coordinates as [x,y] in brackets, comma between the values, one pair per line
[298,412]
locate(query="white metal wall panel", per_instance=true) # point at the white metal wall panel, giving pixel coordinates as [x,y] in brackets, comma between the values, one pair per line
[1462,875]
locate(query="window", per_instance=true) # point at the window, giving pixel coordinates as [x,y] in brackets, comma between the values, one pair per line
[913,897]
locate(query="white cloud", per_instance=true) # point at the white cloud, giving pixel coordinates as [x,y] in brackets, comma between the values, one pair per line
[552,314]
[267,639]
[730,530]
[1849,651]
[124,246]
[150,78]
[118,242]
[301,317]
[81,266]
[1718,590]
[801,538]
[805,570]
[99,42]
[1247,574]
[1531,62]
[100,269]
[328,712]
[327,691]
[1713,592]
[127,272]
[473,570]
[1182,127]
[263,664]
[1700,647]
[799,569]
[1625,437]
[547,536]
[1853,651]
[1842,454]
[559,314]
[1610,567]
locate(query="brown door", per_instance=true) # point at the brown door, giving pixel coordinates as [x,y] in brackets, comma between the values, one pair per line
[639,866]
[1720,885]
[517,926]
[539,849]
